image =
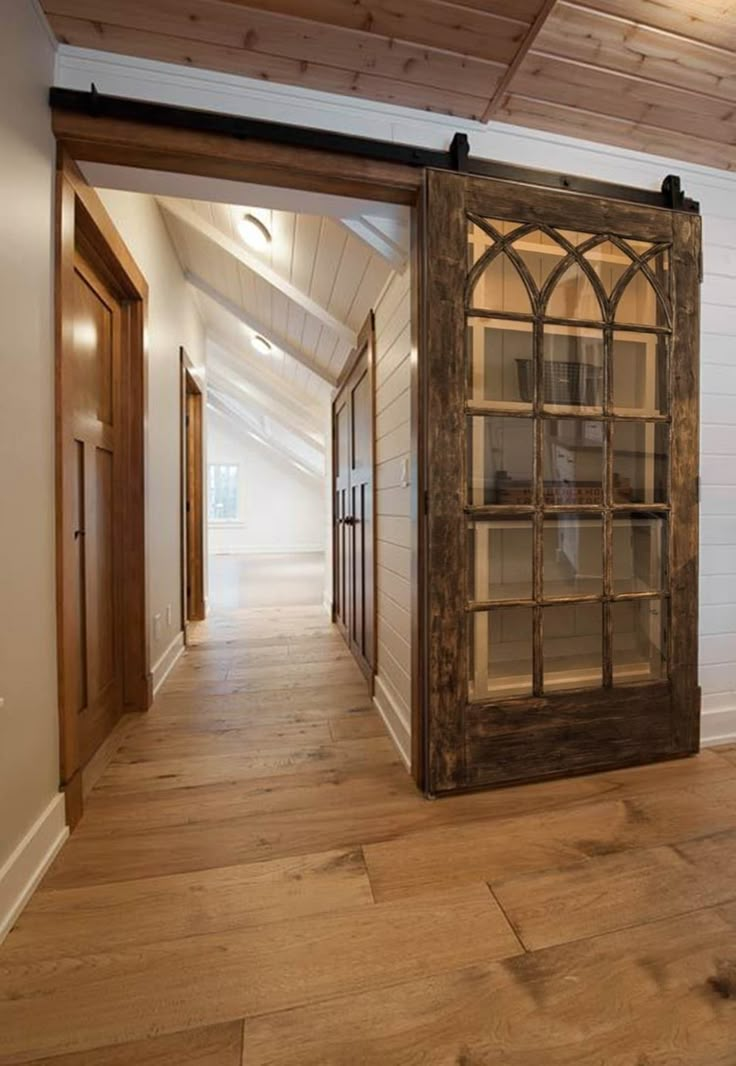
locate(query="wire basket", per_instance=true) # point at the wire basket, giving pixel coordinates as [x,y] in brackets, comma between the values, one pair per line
[565,383]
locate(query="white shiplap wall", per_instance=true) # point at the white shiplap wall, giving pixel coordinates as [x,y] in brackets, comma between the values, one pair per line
[715,189]
[393,524]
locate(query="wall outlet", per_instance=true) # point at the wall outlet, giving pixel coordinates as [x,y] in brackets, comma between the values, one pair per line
[404,471]
[157,627]
[168,616]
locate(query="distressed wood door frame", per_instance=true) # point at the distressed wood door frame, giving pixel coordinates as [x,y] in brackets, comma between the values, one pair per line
[490,741]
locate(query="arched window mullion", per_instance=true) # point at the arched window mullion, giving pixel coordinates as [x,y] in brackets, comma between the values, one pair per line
[641,263]
[577,255]
[501,246]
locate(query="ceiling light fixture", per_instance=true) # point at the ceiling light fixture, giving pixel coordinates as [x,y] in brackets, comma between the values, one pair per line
[254,232]
[261,344]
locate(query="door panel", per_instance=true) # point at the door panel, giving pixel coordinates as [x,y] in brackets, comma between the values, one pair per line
[562,463]
[94,400]
[354,531]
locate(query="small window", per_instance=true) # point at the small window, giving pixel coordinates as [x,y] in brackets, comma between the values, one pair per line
[222,492]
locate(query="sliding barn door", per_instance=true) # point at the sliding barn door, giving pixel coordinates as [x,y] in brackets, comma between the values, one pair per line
[562,526]
[354,525]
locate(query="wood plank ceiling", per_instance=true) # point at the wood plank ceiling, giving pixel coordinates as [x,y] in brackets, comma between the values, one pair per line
[643,74]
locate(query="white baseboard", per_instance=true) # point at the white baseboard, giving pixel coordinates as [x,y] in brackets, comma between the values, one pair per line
[30,860]
[718,727]
[167,661]
[394,719]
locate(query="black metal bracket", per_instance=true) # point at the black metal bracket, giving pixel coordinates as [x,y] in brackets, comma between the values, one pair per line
[460,152]
[672,192]
[456,158]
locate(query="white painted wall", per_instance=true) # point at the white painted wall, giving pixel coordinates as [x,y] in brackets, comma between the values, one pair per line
[715,189]
[280,508]
[393,508]
[173,321]
[31,809]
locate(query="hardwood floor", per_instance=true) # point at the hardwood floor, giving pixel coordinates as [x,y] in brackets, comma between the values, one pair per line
[256,882]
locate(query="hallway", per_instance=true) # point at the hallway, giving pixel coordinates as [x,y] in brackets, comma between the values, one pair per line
[256,851]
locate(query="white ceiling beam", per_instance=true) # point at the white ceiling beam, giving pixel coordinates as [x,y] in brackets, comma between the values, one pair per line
[238,251]
[378,242]
[259,327]
[165,183]
[302,406]
[223,377]
[219,403]
[265,424]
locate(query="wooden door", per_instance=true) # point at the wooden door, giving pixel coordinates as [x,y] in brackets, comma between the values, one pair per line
[193,500]
[95,376]
[354,522]
[562,461]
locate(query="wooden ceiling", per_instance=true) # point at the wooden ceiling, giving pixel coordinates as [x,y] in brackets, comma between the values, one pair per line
[646,74]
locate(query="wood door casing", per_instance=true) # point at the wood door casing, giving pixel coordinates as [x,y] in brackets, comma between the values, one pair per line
[194,502]
[102,633]
[353,503]
[95,401]
[537,726]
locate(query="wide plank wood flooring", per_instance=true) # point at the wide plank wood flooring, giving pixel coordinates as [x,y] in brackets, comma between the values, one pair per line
[256,882]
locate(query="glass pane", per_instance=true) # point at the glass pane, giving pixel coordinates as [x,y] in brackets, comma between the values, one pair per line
[540,253]
[573,555]
[573,367]
[500,288]
[638,640]
[573,296]
[500,362]
[640,373]
[638,304]
[499,460]
[640,462]
[500,652]
[638,553]
[609,263]
[500,559]
[572,463]
[572,635]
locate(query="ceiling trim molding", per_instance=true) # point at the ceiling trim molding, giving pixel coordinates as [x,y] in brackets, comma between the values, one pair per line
[504,85]
[252,262]
[259,327]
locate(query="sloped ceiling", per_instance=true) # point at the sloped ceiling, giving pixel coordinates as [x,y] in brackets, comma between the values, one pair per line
[646,74]
[308,293]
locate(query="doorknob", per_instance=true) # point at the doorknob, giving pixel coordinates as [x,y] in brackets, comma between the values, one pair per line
[79,533]
[350,520]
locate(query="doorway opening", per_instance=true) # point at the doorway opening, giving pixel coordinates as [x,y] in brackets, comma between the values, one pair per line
[192,467]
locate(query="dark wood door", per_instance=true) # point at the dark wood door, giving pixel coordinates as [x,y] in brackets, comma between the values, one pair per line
[95,402]
[562,460]
[354,522]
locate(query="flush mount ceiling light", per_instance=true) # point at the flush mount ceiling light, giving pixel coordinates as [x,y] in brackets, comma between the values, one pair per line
[254,232]
[261,344]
